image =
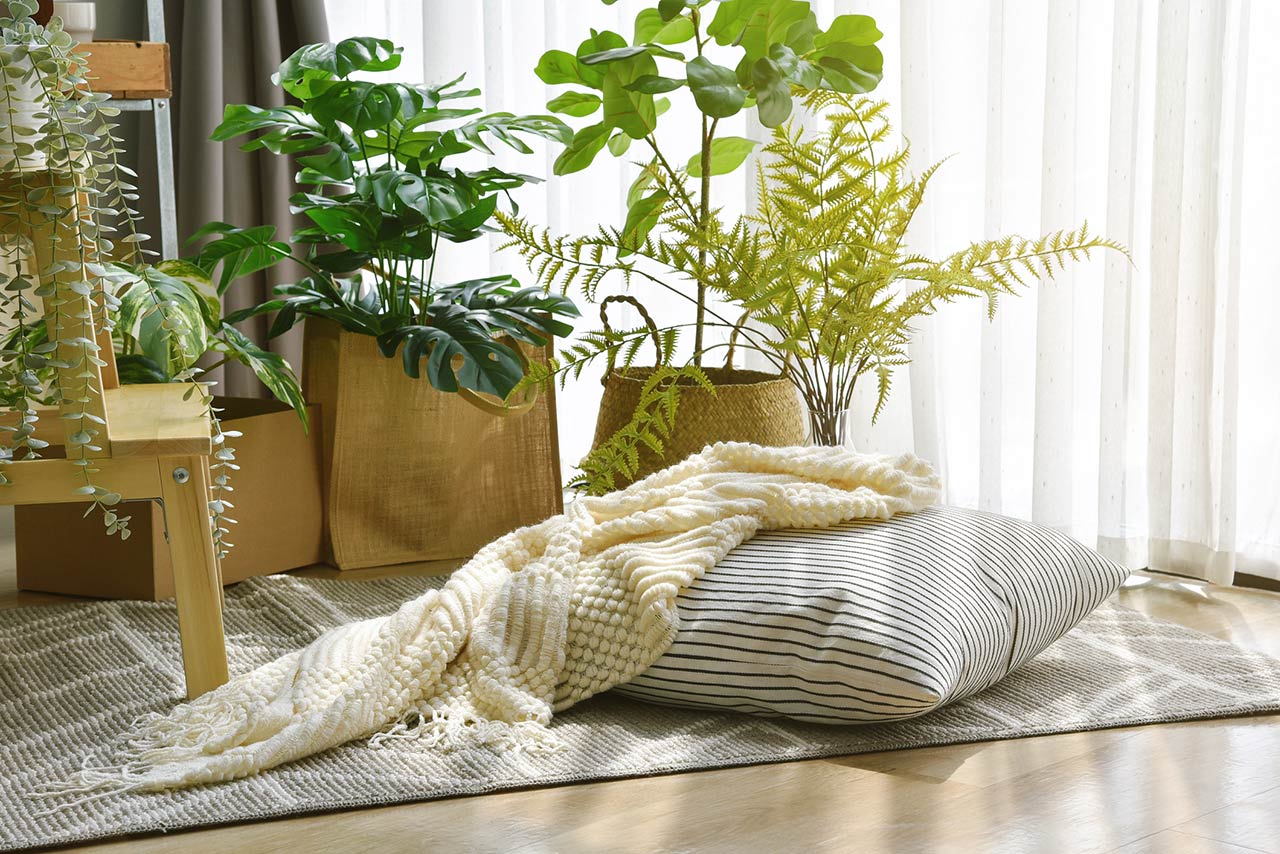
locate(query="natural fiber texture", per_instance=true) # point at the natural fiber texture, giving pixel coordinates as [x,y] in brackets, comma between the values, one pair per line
[73,677]
[747,406]
[412,474]
[538,620]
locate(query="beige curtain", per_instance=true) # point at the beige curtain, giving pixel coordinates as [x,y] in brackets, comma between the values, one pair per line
[224,52]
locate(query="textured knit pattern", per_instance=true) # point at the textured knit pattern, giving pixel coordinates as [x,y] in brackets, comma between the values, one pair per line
[538,620]
[73,677]
[875,621]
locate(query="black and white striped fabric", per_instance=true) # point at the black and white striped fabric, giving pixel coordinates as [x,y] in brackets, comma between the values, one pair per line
[875,620]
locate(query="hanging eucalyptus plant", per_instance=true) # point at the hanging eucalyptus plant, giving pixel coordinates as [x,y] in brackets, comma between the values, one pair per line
[382,195]
[60,161]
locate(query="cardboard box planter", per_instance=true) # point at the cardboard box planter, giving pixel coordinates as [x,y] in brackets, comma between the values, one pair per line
[277,508]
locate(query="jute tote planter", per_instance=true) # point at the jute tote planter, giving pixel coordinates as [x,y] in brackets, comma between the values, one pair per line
[746,406]
[412,474]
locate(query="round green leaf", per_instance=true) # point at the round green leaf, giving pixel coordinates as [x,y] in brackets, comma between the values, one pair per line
[727,154]
[715,88]
[668,9]
[584,147]
[629,111]
[654,84]
[844,76]
[619,143]
[773,92]
[652,27]
[576,104]
[557,66]
[849,29]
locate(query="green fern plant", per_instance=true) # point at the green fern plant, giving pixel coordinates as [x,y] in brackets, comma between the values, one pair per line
[821,265]
[820,278]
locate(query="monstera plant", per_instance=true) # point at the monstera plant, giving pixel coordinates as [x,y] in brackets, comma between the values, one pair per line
[383,199]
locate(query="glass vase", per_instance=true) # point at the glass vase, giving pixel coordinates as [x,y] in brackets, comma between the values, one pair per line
[828,427]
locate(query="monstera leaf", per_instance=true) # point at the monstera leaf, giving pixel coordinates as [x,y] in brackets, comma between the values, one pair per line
[311,69]
[458,354]
[459,346]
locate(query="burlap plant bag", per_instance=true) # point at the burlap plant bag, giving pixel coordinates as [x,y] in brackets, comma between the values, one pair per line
[411,473]
[746,406]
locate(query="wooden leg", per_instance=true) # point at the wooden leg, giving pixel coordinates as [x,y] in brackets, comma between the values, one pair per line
[197,580]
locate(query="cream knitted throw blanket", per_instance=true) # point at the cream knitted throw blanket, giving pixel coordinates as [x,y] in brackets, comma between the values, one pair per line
[538,620]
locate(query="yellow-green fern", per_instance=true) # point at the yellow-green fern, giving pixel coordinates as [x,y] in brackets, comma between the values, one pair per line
[820,274]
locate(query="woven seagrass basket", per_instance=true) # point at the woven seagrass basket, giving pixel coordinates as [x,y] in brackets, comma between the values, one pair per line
[746,406]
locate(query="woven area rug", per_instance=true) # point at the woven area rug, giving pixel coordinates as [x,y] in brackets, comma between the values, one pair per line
[72,677]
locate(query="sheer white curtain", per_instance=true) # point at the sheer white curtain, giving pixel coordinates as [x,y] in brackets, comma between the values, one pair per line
[1134,406]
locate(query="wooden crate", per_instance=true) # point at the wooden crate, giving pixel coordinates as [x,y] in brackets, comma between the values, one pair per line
[125,69]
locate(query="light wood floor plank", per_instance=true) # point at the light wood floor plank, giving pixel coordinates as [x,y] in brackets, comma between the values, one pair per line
[1173,842]
[1252,823]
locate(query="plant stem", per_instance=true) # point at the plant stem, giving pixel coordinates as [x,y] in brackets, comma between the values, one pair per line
[704,217]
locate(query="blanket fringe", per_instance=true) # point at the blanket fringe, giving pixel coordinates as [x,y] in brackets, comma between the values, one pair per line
[154,741]
[439,730]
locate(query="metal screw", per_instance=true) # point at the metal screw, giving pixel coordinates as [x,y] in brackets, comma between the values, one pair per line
[181,475]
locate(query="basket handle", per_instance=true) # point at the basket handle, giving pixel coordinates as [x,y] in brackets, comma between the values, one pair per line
[733,338]
[506,408]
[733,343]
[644,315]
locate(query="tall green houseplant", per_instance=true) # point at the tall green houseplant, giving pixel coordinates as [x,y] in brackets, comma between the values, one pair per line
[731,56]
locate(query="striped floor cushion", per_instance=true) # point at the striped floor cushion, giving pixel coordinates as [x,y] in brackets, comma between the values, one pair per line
[874,620]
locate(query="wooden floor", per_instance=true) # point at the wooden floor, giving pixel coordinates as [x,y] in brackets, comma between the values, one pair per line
[1191,788]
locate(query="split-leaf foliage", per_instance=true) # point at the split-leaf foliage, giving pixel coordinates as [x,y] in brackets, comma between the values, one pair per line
[381,194]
